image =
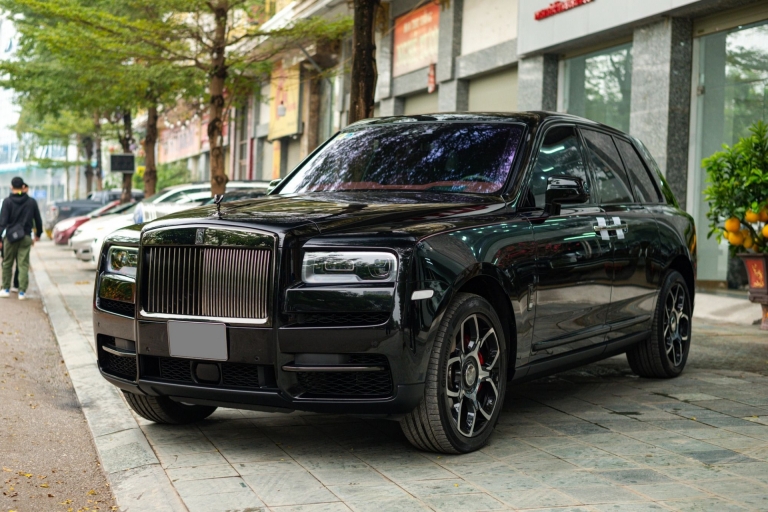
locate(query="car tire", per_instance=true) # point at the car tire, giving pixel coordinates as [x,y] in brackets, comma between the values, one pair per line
[664,354]
[465,383]
[162,409]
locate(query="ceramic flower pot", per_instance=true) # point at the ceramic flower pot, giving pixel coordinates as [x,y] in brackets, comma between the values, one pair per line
[757,264]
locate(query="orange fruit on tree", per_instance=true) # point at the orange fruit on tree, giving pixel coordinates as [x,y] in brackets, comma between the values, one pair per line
[765,231]
[733,225]
[736,238]
[764,214]
[748,242]
[751,217]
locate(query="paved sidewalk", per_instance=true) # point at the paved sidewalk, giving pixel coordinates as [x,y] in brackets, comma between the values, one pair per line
[592,439]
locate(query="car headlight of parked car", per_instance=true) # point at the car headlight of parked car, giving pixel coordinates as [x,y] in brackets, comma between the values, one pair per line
[348,267]
[117,281]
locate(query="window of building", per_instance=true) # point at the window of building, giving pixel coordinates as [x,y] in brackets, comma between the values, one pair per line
[612,182]
[598,86]
[732,93]
[241,132]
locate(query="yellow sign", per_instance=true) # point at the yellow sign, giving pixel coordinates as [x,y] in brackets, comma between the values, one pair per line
[285,100]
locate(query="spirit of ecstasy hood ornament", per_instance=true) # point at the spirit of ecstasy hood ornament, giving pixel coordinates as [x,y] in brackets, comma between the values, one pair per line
[217,199]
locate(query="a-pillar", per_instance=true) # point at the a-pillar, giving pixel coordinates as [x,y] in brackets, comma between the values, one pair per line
[661,96]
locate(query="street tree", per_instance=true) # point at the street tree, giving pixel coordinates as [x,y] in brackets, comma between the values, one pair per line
[225,43]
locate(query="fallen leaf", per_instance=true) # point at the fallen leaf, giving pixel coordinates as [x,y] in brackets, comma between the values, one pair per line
[44,486]
[91,492]
[50,495]
[65,502]
[27,475]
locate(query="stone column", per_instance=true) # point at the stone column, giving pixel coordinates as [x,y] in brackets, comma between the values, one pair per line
[391,107]
[537,83]
[661,96]
[452,94]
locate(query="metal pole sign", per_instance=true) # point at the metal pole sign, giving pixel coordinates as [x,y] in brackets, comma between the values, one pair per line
[125,163]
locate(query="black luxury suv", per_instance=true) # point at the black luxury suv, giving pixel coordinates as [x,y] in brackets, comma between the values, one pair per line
[410,267]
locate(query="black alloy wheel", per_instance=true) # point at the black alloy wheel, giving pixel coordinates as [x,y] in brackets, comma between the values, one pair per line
[665,352]
[466,380]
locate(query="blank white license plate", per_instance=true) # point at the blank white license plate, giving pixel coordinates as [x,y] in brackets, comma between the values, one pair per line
[197,340]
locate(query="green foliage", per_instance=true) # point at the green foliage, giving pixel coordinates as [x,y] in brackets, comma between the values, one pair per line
[175,173]
[738,184]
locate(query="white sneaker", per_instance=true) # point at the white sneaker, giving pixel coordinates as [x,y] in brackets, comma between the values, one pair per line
[22,296]
[14,289]
[5,294]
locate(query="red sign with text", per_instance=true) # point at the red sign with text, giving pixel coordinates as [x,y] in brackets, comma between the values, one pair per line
[558,7]
[415,44]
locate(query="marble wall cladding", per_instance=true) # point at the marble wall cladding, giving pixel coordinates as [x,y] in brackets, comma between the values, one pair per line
[537,83]
[384,67]
[661,92]
[453,96]
[449,40]
[392,107]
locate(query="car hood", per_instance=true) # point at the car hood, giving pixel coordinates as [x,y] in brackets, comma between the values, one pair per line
[337,212]
[99,225]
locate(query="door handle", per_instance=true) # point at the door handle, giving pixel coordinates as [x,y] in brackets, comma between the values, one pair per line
[603,227]
[614,227]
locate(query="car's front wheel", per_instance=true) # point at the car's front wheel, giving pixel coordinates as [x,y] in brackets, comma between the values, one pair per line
[162,409]
[465,383]
[665,352]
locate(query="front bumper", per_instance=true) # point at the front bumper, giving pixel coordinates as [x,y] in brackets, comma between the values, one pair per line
[264,352]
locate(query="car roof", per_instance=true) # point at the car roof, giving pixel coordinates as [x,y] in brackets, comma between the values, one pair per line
[531,118]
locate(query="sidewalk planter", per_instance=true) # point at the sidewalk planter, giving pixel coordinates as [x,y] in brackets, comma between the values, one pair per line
[758,282]
[738,207]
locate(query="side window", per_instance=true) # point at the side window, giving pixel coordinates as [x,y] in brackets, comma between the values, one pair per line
[559,154]
[642,186]
[611,179]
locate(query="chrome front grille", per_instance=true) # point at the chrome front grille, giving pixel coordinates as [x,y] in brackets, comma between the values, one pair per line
[210,282]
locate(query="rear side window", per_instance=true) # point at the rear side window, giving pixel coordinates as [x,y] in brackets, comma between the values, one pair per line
[559,155]
[612,182]
[642,186]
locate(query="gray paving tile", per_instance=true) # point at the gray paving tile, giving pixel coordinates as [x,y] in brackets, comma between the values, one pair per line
[732,488]
[201,472]
[464,502]
[210,486]
[296,488]
[536,498]
[336,506]
[633,476]
[669,491]
[191,460]
[630,507]
[569,478]
[706,505]
[718,457]
[227,502]
[595,494]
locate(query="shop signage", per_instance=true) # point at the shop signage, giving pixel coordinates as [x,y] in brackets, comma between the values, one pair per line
[558,7]
[415,41]
[285,100]
[124,162]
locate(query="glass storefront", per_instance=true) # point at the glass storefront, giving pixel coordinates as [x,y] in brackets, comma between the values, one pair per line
[732,94]
[598,86]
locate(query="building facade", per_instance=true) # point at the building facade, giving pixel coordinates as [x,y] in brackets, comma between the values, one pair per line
[684,76]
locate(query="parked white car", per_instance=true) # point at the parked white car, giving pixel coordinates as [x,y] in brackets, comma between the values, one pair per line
[83,238]
[191,195]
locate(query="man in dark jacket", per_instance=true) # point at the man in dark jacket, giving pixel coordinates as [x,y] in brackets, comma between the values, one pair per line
[18,216]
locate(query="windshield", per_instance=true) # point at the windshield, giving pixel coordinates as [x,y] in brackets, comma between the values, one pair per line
[439,157]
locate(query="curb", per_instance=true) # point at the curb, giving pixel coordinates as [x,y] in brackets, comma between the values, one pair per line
[136,478]
[724,309]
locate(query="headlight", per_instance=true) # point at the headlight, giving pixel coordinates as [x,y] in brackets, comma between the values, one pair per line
[348,267]
[123,260]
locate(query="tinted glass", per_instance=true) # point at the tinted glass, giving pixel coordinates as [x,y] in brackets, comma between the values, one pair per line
[612,182]
[642,185]
[439,157]
[559,154]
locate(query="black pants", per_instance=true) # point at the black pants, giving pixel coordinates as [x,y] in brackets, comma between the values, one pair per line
[15,274]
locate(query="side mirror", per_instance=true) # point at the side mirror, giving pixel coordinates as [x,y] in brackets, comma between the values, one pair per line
[564,190]
[273,185]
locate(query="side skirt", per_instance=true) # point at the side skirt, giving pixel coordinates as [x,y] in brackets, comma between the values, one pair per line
[577,358]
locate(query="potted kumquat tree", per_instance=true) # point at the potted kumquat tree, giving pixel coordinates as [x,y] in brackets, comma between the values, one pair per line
[738,206]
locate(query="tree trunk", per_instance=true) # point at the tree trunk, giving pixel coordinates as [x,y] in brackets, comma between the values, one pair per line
[88,149]
[125,141]
[97,142]
[150,141]
[364,73]
[219,177]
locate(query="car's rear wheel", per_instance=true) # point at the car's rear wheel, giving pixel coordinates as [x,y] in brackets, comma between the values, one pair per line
[162,409]
[664,354]
[466,380]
